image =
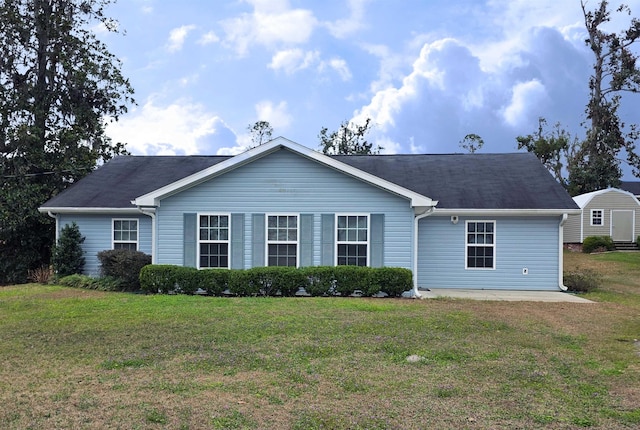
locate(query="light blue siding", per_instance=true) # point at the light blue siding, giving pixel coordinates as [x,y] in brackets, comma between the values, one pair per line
[285,182]
[521,242]
[97,231]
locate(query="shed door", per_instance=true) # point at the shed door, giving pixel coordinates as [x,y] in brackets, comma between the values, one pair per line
[622,226]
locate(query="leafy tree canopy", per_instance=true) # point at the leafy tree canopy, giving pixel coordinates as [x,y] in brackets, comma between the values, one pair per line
[349,139]
[59,85]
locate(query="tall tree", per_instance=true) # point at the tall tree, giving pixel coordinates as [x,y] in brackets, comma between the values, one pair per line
[261,132]
[555,148]
[349,139]
[59,86]
[614,72]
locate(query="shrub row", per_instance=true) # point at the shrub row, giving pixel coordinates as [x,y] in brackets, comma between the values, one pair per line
[600,243]
[277,281]
[105,283]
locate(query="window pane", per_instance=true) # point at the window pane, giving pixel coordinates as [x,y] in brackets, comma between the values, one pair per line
[272,222]
[224,234]
[352,222]
[342,222]
[471,227]
[204,221]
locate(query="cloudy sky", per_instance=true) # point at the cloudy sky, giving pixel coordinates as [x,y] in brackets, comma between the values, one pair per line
[427,72]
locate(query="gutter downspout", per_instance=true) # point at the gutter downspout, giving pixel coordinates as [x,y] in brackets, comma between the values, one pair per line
[561,251]
[428,212]
[54,216]
[151,212]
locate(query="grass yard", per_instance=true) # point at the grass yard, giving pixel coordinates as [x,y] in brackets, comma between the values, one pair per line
[87,359]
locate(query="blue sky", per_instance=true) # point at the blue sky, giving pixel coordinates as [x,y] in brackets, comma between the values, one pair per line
[426,72]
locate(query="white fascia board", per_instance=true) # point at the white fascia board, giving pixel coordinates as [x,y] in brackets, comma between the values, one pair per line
[505,212]
[153,198]
[75,210]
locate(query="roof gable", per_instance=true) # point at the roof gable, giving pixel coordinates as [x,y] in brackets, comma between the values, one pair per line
[154,197]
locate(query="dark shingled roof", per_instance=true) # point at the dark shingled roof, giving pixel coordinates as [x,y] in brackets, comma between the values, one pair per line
[457,181]
[471,181]
[124,178]
[631,186]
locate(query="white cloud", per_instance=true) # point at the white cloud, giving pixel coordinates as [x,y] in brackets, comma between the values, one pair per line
[293,60]
[342,28]
[208,38]
[177,36]
[271,24]
[276,115]
[340,66]
[181,127]
[525,99]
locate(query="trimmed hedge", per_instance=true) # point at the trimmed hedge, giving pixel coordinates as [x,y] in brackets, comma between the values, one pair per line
[593,243]
[124,265]
[277,281]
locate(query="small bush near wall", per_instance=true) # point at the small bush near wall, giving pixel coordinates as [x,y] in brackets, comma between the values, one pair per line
[277,281]
[106,283]
[583,281]
[595,243]
[125,265]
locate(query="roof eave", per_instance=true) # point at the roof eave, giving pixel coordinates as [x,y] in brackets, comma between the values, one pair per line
[75,210]
[505,212]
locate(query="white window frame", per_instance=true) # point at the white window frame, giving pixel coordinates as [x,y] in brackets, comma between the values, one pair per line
[201,241]
[357,242]
[593,211]
[113,232]
[268,242]
[467,244]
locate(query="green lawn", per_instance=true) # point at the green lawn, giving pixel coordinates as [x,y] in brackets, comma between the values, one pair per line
[86,359]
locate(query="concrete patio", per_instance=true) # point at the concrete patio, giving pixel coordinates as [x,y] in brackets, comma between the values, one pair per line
[503,295]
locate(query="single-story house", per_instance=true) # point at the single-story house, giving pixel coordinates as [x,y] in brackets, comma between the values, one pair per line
[486,221]
[631,186]
[610,212]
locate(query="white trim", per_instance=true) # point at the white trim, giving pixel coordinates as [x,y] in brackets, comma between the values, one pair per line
[563,220]
[504,212]
[591,224]
[151,212]
[348,242]
[198,241]
[267,242]
[493,245]
[113,230]
[416,222]
[153,198]
[72,210]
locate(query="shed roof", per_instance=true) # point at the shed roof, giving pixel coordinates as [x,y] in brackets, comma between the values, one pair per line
[456,181]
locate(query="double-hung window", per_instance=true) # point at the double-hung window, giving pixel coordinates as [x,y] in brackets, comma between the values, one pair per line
[352,237]
[213,241]
[597,217]
[282,240]
[481,244]
[125,234]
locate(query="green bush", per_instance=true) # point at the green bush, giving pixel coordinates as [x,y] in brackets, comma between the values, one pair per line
[392,280]
[350,279]
[159,278]
[593,243]
[78,281]
[214,281]
[125,265]
[583,281]
[318,280]
[66,256]
[240,285]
